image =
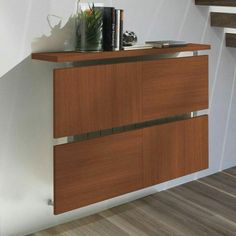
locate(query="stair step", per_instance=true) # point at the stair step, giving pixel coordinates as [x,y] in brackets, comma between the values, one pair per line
[231,40]
[227,20]
[231,3]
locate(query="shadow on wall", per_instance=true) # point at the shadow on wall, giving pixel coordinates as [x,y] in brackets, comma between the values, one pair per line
[26,128]
[26,143]
[60,38]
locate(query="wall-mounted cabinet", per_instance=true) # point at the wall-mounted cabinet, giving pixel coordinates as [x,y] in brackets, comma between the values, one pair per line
[110,95]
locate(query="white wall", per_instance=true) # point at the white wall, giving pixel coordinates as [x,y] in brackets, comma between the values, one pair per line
[26,99]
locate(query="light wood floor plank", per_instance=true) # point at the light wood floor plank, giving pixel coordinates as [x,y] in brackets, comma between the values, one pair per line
[185,223]
[141,220]
[171,217]
[209,198]
[206,220]
[117,220]
[223,182]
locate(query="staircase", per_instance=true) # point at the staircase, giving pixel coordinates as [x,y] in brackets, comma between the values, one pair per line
[226,20]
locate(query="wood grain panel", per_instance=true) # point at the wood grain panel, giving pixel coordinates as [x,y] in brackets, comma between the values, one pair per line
[95,170]
[83,56]
[174,86]
[174,150]
[93,98]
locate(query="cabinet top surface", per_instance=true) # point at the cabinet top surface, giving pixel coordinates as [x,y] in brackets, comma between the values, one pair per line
[86,56]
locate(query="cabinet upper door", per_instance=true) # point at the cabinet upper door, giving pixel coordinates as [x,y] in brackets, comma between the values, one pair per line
[98,97]
[174,86]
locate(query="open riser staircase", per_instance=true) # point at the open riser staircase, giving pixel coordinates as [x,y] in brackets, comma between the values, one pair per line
[226,20]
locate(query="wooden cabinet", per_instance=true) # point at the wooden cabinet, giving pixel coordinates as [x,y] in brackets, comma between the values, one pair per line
[112,94]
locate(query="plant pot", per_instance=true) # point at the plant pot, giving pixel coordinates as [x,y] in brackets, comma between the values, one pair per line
[89,29]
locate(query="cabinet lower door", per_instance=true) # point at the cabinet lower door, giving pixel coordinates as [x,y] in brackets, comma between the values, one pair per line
[94,170]
[175,149]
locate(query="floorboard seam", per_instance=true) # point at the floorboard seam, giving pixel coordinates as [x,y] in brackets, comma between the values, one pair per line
[218,189]
[233,176]
[192,203]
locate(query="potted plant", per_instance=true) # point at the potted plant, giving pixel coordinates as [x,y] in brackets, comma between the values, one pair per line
[89,28]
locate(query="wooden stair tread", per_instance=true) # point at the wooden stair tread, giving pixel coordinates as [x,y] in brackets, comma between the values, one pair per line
[227,20]
[231,40]
[231,3]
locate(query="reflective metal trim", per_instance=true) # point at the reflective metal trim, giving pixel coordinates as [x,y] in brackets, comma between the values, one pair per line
[115,130]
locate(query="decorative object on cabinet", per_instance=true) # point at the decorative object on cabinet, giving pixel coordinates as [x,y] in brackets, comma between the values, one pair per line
[89,29]
[129,38]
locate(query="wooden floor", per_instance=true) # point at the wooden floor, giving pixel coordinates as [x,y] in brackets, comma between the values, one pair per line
[200,208]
